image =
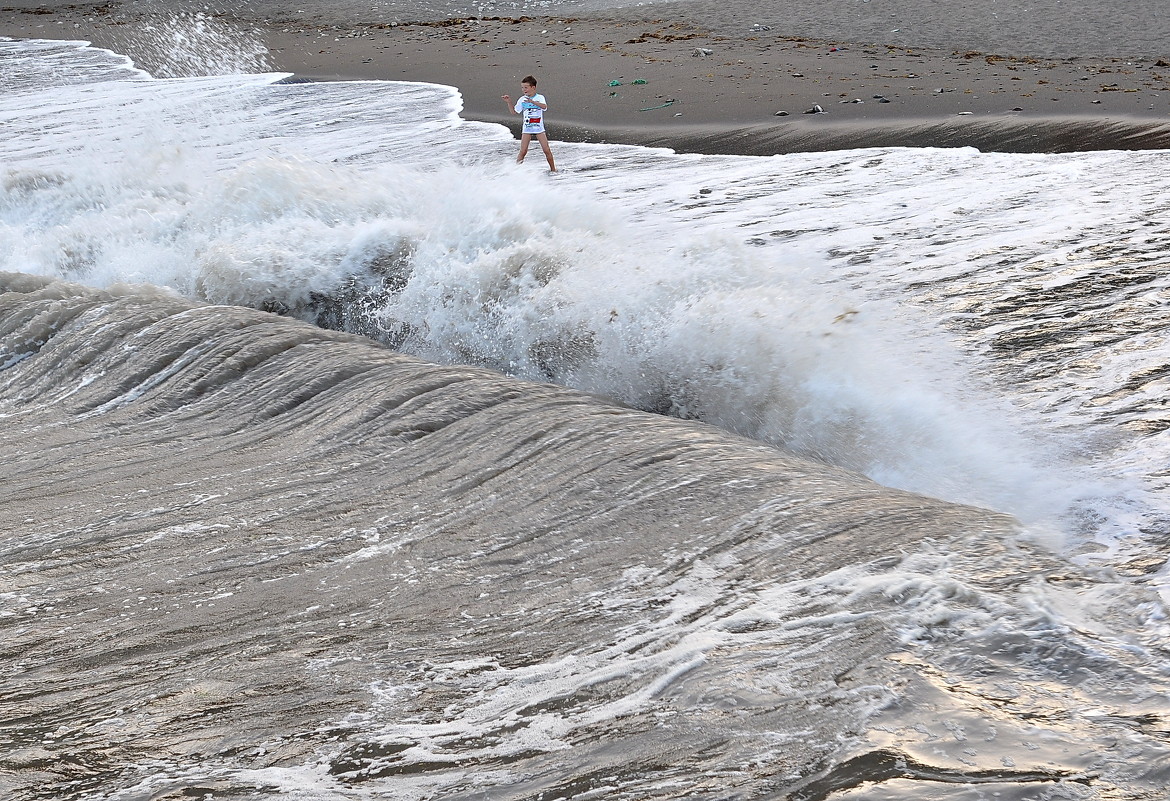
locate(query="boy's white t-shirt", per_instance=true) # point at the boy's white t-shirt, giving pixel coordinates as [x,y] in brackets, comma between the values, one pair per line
[533,114]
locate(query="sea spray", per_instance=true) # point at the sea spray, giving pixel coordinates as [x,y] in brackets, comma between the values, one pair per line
[185,44]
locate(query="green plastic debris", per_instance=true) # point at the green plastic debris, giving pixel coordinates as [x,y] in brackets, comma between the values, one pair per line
[637,80]
[615,83]
[664,105]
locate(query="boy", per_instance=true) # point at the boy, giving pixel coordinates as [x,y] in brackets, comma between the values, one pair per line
[532,106]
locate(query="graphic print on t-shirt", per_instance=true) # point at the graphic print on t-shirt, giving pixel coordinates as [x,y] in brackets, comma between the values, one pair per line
[533,114]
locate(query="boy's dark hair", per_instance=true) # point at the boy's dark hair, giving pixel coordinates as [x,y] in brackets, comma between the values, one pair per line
[528,79]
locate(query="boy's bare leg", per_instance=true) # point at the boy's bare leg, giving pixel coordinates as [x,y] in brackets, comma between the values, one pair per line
[524,140]
[543,139]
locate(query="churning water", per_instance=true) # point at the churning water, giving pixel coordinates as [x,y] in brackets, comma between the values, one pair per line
[740,551]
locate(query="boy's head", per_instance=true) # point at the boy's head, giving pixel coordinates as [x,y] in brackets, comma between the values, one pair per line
[528,84]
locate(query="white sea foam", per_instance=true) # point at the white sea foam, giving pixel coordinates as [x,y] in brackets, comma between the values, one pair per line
[835,304]
[35,64]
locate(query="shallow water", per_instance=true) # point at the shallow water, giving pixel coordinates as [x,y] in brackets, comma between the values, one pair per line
[251,557]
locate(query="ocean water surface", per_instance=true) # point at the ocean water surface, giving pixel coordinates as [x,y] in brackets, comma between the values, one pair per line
[345,459]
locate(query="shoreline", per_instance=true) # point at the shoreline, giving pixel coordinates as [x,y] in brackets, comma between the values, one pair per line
[1033,135]
[679,85]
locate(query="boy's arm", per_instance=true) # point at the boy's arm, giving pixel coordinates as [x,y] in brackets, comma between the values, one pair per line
[507,99]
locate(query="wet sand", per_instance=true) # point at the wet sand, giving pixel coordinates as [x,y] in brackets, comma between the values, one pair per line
[680,84]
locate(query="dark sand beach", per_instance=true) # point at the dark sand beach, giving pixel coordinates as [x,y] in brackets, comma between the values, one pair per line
[687,77]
